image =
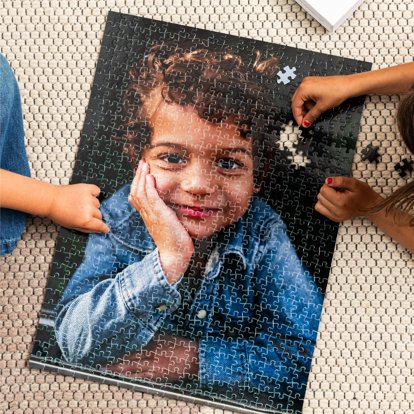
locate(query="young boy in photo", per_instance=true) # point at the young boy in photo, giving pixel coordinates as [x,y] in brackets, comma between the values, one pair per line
[197,279]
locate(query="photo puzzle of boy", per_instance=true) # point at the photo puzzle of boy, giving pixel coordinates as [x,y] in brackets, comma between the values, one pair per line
[200,288]
[194,258]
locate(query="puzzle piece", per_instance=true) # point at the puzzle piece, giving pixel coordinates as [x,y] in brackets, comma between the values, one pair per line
[210,283]
[370,153]
[404,167]
[286,75]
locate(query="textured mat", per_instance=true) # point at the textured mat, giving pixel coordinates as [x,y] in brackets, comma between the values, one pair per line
[363,362]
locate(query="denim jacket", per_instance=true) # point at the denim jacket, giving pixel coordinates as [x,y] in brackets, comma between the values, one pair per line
[255,314]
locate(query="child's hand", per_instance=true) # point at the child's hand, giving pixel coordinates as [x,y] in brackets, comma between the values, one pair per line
[76,207]
[316,95]
[164,358]
[174,244]
[342,198]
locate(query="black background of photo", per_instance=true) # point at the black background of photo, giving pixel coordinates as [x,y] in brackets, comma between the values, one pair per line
[330,145]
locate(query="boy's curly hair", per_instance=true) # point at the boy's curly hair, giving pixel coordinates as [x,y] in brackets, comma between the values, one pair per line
[220,85]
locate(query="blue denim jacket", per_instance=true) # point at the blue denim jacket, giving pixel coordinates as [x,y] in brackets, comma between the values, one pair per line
[255,315]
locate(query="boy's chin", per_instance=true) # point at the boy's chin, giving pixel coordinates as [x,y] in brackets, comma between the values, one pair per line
[201,232]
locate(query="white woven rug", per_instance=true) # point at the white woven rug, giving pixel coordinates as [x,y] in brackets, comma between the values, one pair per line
[364,359]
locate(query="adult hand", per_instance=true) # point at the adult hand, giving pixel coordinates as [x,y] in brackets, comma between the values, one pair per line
[342,198]
[76,207]
[164,358]
[174,244]
[316,95]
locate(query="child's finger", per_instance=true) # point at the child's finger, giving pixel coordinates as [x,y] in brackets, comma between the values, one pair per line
[93,227]
[134,183]
[154,198]
[96,225]
[97,214]
[95,202]
[94,189]
[140,193]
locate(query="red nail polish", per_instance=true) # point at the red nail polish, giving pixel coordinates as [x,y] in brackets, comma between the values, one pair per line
[329,180]
[306,123]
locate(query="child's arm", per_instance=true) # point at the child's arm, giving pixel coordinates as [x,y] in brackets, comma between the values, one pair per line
[316,95]
[72,206]
[344,198]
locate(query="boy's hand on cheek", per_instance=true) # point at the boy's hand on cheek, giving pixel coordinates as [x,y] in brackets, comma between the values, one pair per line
[174,244]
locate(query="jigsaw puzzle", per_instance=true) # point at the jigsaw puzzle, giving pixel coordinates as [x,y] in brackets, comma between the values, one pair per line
[210,284]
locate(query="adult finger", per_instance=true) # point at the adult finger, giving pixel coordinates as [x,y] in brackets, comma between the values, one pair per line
[298,110]
[328,204]
[311,116]
[331,194]
[320,208]
[345,183]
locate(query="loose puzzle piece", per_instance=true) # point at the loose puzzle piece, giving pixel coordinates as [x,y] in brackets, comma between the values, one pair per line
[370,153]
[404,167]
[211,281]
[287,75]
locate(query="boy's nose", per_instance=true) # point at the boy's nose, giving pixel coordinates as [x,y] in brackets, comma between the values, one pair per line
[198,181]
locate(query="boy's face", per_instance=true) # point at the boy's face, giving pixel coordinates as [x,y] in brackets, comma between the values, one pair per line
[203,171]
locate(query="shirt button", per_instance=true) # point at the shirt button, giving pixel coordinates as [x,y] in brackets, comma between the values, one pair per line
[162,308]
[201,314]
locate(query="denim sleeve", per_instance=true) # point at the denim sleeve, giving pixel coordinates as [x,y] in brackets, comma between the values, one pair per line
[275,358]
[12,153]
[103,315]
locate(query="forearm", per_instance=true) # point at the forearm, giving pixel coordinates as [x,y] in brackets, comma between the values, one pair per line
[18,192]
[396,79]
[396,225]
[136,302]
[81,328]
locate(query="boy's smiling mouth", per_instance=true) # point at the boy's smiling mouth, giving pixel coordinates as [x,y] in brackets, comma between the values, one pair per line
[194,211]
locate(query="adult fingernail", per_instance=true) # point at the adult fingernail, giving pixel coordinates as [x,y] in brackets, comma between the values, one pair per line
[329,180]
[306,123]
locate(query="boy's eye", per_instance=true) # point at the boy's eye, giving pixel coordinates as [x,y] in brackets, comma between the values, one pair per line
[228,164]
[173,158]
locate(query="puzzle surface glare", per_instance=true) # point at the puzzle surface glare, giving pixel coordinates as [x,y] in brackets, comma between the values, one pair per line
[210,284]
